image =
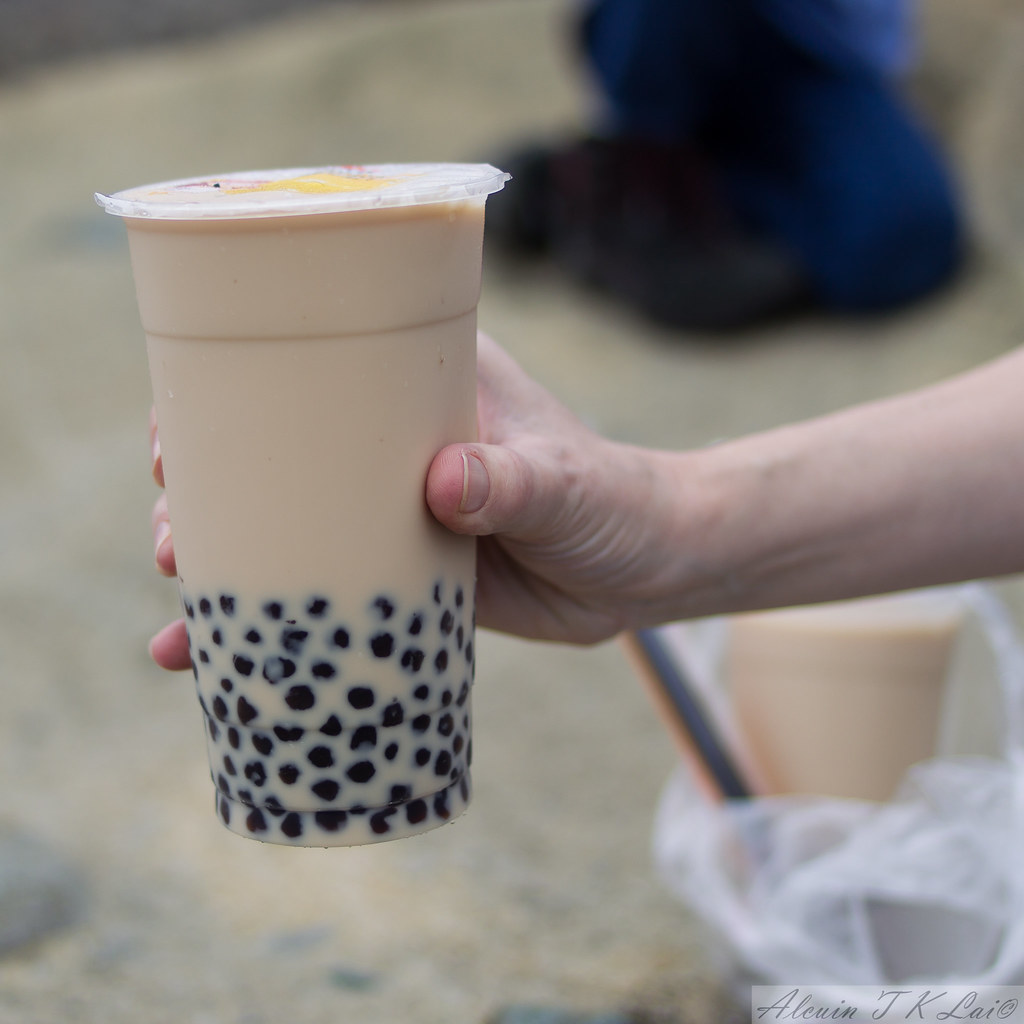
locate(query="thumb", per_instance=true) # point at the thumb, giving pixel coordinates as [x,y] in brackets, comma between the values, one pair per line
[482,489]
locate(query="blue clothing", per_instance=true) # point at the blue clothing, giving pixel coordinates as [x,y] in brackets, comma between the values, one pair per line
[793,102]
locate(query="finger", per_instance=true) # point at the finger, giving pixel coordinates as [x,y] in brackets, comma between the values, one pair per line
[163,544]
[154,443]
[169,648]
[482,489]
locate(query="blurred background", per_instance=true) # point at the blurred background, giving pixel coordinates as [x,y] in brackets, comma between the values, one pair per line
[121,897]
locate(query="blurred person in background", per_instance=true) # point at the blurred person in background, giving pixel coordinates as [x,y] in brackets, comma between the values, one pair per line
[749,158]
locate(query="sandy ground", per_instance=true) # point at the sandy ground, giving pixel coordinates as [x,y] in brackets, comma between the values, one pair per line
[544,892]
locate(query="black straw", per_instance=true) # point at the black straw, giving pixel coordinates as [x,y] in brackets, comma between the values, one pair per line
[691,716]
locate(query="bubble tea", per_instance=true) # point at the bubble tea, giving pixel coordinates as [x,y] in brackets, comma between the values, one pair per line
[312,345]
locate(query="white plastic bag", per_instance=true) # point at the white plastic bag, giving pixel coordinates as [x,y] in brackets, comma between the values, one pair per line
[928,887]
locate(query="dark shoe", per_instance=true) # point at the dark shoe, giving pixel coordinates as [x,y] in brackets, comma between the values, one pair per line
[645,223]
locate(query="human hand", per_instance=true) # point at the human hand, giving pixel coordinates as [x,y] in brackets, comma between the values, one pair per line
[565,517]
[169,648]
[571,525]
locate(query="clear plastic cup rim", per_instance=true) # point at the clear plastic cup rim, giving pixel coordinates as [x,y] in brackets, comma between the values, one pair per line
[265,193]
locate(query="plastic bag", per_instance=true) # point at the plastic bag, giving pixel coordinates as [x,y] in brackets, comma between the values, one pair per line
[928,887]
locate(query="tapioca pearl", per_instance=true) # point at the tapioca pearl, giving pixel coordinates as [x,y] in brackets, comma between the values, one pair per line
[263,744]
[289,773]
[234,737]
[256,773]
[422,692]
[421,723]
[273,610]
[393,715]
[227,604]
[361,771]
[364,736]
[220,707]
[416,811]
[204,658]
[457,744]
[289,733]
[323,670]
[441,808]
[225,810]
[190,610]
[202,704]
[217,637]
[243,665]
[229,765]
[291,825]
[379,822]
[212,728]
[382,645]
[463,693]
[246,712]
[445,725]
[205,607]
[441,660]
[223,785]
[273,806]
[255,821]
[443,764]
[332,727]
[447,623]
[254,636]
[437,593]
[469,752]
[446,697]
[361,697]
[275,669]
[341,638]
[422,757]
[321,757]
[459,597]
[326,789]
[400,792]
[415,626]
[391,752]
[318,607]
[244,796]
[412,659]
[226,685]
[195,670]
[460,637]
[300,698]
[384,606]
[293,640]
[464,787]
[331,821]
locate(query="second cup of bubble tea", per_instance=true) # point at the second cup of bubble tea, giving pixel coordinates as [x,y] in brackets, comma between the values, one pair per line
[312,345]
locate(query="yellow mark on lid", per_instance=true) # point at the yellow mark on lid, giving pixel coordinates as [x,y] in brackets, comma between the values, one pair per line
[318,183]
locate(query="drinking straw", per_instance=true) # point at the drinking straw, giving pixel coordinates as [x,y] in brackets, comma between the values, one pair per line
[692,729]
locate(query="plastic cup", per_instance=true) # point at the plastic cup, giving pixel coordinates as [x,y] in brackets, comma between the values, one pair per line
[841,699]
[312,344]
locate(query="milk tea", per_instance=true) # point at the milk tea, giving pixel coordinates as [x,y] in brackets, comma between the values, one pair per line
[312,346]
[841,699]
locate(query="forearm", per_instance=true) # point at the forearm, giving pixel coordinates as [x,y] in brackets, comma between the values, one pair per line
[917,490]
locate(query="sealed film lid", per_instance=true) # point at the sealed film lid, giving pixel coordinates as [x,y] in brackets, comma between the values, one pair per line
[305,190]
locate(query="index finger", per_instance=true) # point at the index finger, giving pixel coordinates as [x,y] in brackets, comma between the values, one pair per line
[154,443]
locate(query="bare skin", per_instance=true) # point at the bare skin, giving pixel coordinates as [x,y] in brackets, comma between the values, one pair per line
[582,538]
